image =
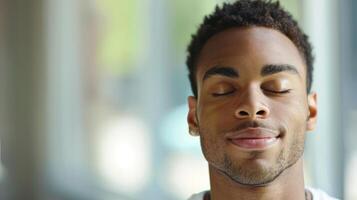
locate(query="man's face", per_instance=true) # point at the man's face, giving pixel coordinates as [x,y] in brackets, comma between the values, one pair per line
[252,108]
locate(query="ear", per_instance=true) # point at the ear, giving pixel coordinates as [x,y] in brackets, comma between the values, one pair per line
[312,118]
[191,116]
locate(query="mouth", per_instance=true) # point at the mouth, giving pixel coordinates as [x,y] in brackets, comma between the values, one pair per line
[250,139]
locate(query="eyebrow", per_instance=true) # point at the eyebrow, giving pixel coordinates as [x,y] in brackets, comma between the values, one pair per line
[222,71]
[277,68]
[230,72]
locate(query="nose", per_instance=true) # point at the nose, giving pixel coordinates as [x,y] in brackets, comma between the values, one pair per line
[252,106]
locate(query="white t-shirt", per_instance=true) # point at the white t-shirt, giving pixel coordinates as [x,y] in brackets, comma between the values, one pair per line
[316,195]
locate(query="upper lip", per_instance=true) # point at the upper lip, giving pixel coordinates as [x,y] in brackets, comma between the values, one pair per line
[253,133]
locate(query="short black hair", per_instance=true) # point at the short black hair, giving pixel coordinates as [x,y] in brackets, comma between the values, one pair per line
[248,13]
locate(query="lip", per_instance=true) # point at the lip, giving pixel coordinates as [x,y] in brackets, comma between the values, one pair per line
[254,138]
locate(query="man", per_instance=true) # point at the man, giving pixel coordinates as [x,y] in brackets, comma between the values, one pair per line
[250,68]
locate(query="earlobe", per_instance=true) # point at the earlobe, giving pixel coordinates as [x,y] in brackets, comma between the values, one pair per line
[191,116]
[312,106]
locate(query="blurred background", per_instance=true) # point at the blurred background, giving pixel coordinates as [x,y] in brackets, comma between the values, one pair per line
[93,98]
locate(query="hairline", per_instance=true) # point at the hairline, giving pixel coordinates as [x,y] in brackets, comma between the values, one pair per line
[198,53]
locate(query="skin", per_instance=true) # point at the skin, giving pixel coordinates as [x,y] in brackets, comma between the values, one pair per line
[227,102]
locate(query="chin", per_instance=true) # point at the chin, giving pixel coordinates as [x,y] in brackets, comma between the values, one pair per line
[259,176]
[253,172]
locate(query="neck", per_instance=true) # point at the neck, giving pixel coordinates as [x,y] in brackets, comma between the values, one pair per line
[289,185]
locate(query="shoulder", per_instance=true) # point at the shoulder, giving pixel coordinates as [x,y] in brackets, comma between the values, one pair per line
[319,194]
[197,196]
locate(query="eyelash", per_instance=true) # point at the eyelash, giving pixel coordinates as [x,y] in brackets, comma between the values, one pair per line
[279,92]
[270,91]
[223,94]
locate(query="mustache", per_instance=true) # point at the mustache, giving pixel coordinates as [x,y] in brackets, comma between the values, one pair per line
[252,124]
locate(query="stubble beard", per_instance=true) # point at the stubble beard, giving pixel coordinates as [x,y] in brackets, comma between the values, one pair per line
[240,173]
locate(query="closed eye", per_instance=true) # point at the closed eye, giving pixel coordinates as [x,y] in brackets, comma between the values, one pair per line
[223,93]
[278,91]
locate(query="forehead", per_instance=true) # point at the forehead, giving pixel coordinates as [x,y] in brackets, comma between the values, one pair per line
[249,49]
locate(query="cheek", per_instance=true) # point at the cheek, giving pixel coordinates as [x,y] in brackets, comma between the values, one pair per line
[216,117]
[212,145]
[294,107]
[292,115]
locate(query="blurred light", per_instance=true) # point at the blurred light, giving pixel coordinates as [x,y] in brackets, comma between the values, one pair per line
[124,154]
[186,174]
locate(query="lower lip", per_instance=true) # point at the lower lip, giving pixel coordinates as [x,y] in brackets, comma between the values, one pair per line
[255,143]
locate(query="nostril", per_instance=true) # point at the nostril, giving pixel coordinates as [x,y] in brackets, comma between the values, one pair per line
[243,113]
[261,112]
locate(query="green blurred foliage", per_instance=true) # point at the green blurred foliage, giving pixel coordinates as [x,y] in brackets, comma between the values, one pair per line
[121,40]
[185,17]
[121,36]
[294,7]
